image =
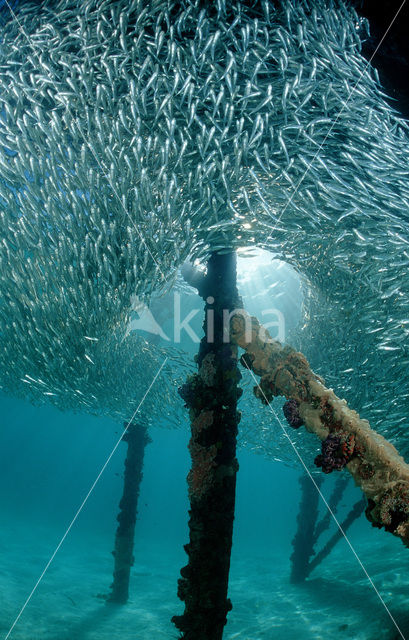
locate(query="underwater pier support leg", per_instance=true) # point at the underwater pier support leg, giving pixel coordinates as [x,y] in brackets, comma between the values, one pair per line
[339,534]
[309,529]
[304,539]
[211,396]
[137,438]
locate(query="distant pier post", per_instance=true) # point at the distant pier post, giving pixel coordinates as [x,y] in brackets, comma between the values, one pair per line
[339,534]
[137,438]
[304,539]
[211,396]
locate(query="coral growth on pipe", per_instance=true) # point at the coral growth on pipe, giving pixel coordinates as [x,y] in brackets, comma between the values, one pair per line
[336,451]
[348,440]
[292,415]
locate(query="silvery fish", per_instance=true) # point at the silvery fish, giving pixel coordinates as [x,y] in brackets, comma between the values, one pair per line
[127,148]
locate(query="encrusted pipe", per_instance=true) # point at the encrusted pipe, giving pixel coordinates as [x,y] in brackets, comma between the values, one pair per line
[348,440]
[137,438]
[211,396]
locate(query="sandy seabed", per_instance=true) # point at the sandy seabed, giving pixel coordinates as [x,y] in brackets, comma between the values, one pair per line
[337,601]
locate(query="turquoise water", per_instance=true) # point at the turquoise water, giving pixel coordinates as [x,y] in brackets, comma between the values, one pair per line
[135,137]
[48,462]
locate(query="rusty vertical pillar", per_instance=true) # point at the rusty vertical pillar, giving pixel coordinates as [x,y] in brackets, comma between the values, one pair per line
[137,438]
[304,539]
[211,396]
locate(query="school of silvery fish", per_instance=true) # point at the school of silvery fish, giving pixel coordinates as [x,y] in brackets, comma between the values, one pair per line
[136,134]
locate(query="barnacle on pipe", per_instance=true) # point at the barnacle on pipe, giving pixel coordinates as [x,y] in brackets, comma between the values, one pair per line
[349,441]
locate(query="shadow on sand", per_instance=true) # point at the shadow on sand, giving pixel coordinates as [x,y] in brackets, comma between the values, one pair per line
[94,620]
[360,598]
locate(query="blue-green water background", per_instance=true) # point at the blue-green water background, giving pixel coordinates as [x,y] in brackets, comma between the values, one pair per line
[49,460]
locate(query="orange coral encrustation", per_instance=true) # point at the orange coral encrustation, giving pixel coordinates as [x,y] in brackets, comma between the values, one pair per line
[374,463]
[201,476]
